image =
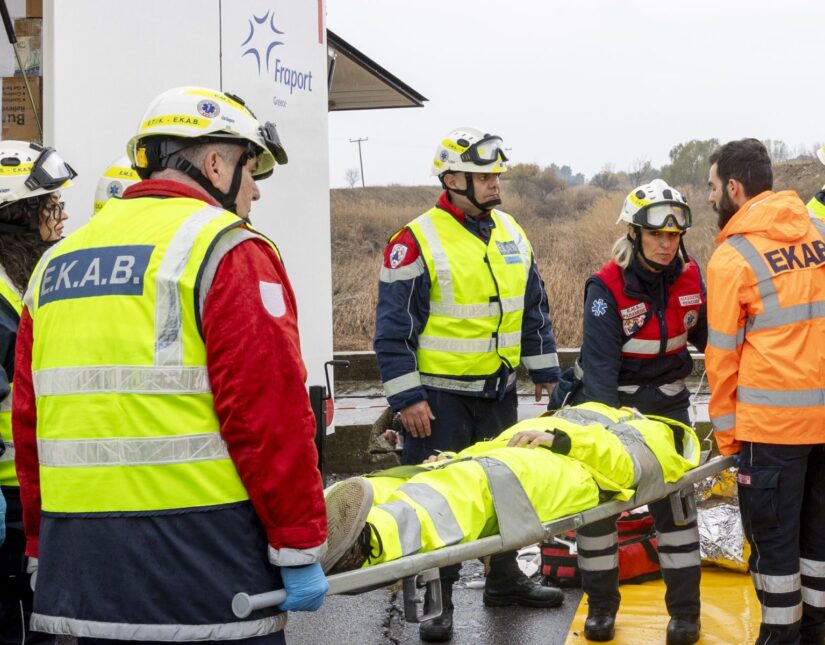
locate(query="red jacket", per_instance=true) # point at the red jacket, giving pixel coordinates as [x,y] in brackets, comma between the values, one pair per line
[259,396]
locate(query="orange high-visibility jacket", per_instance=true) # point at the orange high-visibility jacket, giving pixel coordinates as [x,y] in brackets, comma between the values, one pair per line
[765,356]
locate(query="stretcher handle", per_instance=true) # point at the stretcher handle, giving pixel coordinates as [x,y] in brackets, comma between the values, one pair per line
[244,604]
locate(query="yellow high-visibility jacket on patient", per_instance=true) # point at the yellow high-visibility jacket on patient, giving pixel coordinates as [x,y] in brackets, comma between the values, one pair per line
[595,456]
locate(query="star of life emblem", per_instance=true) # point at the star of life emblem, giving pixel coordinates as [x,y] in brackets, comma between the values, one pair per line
[599,308]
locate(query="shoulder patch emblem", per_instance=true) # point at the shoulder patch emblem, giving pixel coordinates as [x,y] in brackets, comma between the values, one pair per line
[692,299]
[599,308]
[634,311]
[397,255]
[272,297]
[691,318]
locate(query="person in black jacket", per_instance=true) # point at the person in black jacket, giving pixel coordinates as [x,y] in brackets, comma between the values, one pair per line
[641,309]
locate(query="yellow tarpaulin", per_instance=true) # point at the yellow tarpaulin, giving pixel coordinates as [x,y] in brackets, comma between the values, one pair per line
[730,612]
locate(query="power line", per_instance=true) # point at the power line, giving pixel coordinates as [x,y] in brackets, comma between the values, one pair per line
[360,159]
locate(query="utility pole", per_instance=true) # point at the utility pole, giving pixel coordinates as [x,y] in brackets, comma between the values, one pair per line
[360,159]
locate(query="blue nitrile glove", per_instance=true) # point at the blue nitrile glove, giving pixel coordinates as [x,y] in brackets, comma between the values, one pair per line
[305,587]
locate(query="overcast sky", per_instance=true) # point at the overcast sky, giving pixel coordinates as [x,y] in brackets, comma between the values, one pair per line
[585,82]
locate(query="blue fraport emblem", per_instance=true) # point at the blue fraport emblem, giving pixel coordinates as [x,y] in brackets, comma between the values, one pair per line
[599,308]
[266,36]
[209,109]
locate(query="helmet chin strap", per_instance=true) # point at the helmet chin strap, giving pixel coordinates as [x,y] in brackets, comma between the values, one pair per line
[470,193]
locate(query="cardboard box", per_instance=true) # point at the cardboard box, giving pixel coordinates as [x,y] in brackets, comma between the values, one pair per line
[34,8]
[29,44]
[18,119]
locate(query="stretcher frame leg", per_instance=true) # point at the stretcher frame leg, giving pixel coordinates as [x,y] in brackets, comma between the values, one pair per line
[418,609]
[372,577]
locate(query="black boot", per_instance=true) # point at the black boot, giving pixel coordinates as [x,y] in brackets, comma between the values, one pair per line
[683,630]
[518,589]
[600,625]
[440,630]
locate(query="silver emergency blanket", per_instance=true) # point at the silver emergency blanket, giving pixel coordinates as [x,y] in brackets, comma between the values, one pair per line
[721,539]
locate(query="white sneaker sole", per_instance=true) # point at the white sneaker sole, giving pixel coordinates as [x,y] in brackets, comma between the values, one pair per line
[348,504]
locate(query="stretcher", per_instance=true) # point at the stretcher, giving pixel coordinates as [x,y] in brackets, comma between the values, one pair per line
[518,527]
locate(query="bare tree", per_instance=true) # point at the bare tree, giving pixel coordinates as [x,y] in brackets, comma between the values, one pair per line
[641,171]
[352,176]
[778,150]
[606,178]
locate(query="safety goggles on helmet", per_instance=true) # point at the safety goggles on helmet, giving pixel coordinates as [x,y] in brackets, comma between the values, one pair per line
[664,216]
[269,133]
[49,171]
[486,151]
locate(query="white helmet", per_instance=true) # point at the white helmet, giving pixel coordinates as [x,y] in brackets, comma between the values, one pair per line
[656,206]
[469,150]
[199,113]
[117,178]
[820,153]
[28,170]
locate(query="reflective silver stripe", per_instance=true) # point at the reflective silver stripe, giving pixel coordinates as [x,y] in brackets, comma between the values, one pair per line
[583,417]
[651,347]
[5,404]
[439,256]
[597,543]
[469,345]
[726,341]
[765,285]
[777,615]
[679,560]
[484,310]
[813,597]
[812,568]
[132,451]
[133,379]
[678,538]
[407,272]
[296,557]
[518,238]
[168,305]
[409,527]
[9,454]
[723,423]
[780,398]
[776,584]
[438,509]
[402,383]
[228,241]
[447,383]
[600,563]
[28,297]
[787,316]
[540,362]
[672,389]
[649,479]
[144,632]
[819,225]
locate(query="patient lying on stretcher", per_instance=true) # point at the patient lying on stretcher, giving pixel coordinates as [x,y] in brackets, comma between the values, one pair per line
[565,463]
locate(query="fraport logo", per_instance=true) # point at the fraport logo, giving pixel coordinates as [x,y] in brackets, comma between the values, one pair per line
[261,45]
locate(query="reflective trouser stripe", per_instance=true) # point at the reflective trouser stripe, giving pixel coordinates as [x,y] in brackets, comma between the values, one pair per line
[402,383]
[143,451]
[726,341]
[812,568]
[439,257]
[598,563]
[597,543]
[651,347]
[540,362]
[678,538]
[776,584]
[438,509]
[781,398]
[409,527]
[483,310]
[447,383]
[724,422]
[469,345]
[812,572]
[813,597]
[679,560]
[132,379]
[781,615]
[144,632]
[407,272]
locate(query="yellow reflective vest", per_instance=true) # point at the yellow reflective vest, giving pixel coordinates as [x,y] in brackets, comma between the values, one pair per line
[816,208]
[476,297]
[8,474]
[135,477]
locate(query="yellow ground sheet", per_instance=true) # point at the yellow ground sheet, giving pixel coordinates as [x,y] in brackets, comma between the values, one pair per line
[730,612]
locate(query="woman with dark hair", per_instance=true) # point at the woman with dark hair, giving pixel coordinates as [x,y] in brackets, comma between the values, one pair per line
[31,220]
[641,309]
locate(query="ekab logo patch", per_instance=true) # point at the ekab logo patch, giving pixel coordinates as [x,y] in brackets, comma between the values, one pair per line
[102,271]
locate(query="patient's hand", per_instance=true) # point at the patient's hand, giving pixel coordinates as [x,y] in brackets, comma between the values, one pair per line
[531,439]
[434,458]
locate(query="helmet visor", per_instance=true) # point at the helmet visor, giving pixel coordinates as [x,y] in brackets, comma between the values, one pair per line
[50,171]
[667,216]
[486,151]
[273,142]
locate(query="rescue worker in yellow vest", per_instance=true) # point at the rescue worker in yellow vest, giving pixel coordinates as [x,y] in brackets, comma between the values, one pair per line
[765,353]
[161,419]
[114,182]
[816,207]
[460,306]
[587,454]
[31,220]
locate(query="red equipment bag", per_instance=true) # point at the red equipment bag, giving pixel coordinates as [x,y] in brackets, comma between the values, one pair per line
[638,559]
